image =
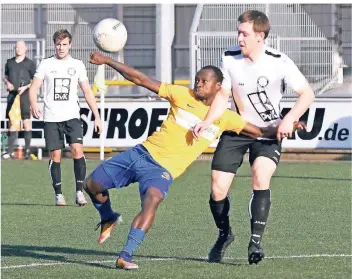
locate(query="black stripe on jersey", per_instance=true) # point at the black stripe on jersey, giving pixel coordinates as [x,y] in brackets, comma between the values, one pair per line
[283,86]
[49,57]
[232,52]
[281,116]
[272,54]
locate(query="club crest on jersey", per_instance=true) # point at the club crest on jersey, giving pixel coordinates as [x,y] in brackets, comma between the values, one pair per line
[165,175]
[71,71]
[262,82]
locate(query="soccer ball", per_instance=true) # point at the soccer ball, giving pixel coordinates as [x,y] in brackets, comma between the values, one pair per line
[110,35]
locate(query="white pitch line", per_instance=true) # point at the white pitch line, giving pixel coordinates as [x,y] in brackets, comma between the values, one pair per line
[175,259]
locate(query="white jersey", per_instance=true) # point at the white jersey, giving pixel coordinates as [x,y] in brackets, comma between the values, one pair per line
[61,79]
[257,87]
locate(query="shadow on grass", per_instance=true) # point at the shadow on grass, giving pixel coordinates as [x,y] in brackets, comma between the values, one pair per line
[36,204]
[41,253]
[190,259]
[299,177]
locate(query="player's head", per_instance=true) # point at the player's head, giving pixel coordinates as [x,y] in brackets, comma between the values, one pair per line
[207,83]
[20,48]
[63,42]
[253,29]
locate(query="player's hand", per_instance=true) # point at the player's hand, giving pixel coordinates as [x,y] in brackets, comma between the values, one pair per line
[97,58]
[296,125]
[21,89]
[97,126]
[199,128]
[10,86]
[36,113]
[299,125]
[285,129]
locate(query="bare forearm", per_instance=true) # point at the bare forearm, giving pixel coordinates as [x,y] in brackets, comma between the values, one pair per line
[92,104]
[6,81]
[29,85]
[302,104]
[252,131]
[32,96]
[127,72]
[218,107]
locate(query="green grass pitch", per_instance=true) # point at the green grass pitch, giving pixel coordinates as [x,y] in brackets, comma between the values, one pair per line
[308,233]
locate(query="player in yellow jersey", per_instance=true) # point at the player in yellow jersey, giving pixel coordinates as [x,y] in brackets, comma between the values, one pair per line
[165,154]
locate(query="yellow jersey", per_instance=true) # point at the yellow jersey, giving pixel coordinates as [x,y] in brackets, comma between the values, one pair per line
[174,146]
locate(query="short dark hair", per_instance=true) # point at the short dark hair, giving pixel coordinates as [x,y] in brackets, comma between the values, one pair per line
[217,72]
[62,34]
[260,21]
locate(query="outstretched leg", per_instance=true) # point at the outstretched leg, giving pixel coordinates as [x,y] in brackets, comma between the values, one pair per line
[140,226]
[101,201]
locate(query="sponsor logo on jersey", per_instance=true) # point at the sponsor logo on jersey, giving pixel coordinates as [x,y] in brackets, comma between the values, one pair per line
[62,89]
[189,120]
[263,106]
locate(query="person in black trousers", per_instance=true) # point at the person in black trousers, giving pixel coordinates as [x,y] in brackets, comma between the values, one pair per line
[19,72]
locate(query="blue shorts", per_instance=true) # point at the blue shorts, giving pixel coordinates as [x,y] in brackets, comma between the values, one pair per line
[133,165]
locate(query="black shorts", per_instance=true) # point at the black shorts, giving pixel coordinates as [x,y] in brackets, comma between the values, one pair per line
[231,148]
[56,132]
[24,104]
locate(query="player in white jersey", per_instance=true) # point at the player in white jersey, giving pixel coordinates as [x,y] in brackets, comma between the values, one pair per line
[61,75]
[256,76]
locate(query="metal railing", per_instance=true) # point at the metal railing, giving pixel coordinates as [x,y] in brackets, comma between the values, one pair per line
[293,32]
[36,52]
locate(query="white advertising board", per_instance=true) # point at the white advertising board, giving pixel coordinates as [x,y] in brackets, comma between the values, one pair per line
[129,123]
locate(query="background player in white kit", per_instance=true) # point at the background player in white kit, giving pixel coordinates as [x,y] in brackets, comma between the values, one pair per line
[256,76]
[62,74]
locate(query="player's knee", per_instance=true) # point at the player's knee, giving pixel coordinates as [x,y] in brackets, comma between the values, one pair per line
[77,151]
[260,181]
[262,171]
[92,187]
[55,156]
[218,193]
[220,186]
[27,125]
[154,197]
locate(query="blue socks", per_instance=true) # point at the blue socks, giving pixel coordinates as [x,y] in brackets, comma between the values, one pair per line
[135,238]
[104,209]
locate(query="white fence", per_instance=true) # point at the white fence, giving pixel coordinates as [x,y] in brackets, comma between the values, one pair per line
[293,32]
[36,51]
[313,56]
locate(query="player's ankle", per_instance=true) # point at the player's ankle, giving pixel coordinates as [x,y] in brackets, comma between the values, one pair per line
[126,256]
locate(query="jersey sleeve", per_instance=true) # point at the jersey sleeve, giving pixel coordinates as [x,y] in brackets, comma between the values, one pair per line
[32,69]
[7,68]
[82,73]
[234,121]
[172,92]
[292,75]
[40,72]
[226,83]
